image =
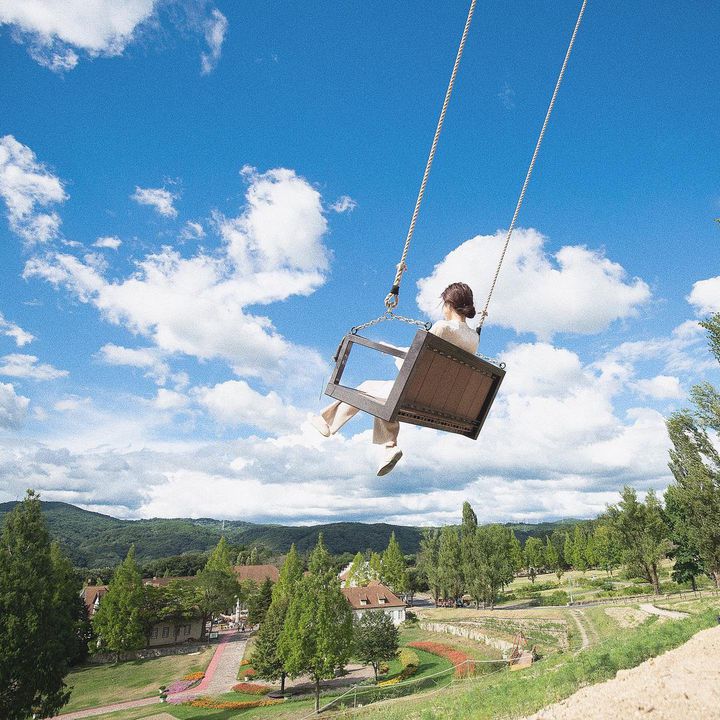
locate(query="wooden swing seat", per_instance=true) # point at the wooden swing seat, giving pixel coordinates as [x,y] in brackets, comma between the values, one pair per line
[439,386]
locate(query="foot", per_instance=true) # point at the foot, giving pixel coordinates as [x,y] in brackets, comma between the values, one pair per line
[320,425]
[391,460]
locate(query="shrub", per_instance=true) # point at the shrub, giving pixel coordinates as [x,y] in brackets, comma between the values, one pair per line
[251,688]
[408,657]
[559,597]
[411,618]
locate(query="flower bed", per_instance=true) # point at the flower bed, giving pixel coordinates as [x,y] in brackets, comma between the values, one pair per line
[252,688]
[194,676]
[210,704]
[179,686]
[456,657]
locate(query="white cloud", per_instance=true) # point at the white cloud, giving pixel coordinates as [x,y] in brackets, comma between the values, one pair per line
[26,185]
[54,29]
[343,204]
[170,400]
[72,404]
[13,407]
[705,296]
[109,241]
[660,387]
[158,198]
[192,231]
[196,306]
[27,366]
[149,359]
[215,28]
[235,403]
[21,337]
[576,290]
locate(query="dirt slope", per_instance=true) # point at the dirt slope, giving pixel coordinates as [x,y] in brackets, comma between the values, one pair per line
[682,684]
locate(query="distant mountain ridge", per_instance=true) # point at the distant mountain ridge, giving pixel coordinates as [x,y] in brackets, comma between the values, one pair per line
[94,540]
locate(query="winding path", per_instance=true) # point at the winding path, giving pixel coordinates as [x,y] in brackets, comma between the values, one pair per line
[651,609]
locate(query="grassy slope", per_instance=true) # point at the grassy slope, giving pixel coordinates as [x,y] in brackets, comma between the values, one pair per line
[511,695]
[98,685]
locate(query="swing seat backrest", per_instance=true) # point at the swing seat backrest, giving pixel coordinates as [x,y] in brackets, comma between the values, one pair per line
[439,385]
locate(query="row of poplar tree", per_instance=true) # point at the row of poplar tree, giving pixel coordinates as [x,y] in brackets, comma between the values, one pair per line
[309,628]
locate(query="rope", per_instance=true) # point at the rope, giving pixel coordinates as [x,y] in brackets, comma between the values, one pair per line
[484,313]
[392,299]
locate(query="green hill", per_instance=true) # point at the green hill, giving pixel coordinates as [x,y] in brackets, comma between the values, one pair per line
[93,540]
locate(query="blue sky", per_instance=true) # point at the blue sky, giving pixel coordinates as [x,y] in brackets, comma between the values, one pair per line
[200,198]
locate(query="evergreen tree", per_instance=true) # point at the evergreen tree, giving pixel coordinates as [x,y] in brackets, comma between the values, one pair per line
[605,548]
[643,533]
[253,559]
[117,622]
[568,549]
[552,559]
[375,639]
[468,547]
[357,572]
[450,563]
[496,563]
[317,634]
[69,608]
[260,602]
[534,554]
[376,567]
[394,567]
[216,584]
[37,628]
[428,560]
[516,553]
[267,660]
[579,549]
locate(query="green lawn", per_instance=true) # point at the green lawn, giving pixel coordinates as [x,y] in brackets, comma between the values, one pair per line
[98,685]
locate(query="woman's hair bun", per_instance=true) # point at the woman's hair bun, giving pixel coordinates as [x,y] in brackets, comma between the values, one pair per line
[460,296]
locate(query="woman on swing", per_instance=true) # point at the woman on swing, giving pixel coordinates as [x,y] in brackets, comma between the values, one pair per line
[458,307]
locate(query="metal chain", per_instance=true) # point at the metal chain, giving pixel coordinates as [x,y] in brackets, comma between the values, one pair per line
[392,298]
[484,313]
[390,315]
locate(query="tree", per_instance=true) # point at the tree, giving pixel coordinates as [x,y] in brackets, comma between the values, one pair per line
[643,533]
[694,498]
[605,548]
[69,608]
[376,571]
[468,551]
[267,660]
[117,620]
[394,567]
[317,633]
[553,559]
[216,584]
[375,639]
[37,628]
[357,575]
[450,563]
[534,553]
[496,563]
[414,583]
[579,549]
[260,602]
[569,549]
[516,553]
[428,560]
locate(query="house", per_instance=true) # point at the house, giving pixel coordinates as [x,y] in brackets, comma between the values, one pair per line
[256,573]
[91,595]
[375,597]
[168,632]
